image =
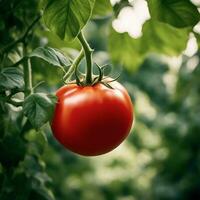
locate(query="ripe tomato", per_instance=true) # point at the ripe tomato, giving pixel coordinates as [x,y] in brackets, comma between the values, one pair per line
[92,120]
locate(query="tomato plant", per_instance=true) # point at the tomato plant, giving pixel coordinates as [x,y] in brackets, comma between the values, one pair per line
[91,119]
[51,44]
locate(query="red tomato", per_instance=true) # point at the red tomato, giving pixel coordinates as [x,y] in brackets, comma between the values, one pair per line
[92,120]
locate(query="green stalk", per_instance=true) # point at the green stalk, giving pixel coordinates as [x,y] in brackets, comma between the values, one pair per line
[28,77]
[74,65]
[28,87]
[88,55]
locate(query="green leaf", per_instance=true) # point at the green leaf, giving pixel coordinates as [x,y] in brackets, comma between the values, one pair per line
[10,78]
[36,142]
[102,8]
[39,108]
[130,55]
[66,18]
[157,37]
[197,36]
[50,55]
[162,38]
[179,13]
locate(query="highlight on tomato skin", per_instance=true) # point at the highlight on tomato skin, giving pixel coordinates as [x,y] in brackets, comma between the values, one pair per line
[92,120]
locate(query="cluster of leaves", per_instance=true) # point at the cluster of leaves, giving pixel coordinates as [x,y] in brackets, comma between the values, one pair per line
[166,32]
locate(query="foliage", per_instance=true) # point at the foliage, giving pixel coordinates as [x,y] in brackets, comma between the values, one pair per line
[160,160]
[177,13]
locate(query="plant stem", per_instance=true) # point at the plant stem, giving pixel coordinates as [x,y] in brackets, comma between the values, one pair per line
[27,75]
[74,65]
[21,39]
[88,55]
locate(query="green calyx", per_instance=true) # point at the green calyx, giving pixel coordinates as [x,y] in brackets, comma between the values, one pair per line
[88,78]
[81,80]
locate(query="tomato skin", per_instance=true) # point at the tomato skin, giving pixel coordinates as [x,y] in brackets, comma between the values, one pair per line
[92,120]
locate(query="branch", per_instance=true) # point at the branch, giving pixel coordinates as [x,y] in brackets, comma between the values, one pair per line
[21,39]
[30,27]
[28,87]
[74,65]
[88,55]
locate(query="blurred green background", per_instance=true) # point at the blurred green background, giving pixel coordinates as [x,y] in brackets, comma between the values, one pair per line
[160,160]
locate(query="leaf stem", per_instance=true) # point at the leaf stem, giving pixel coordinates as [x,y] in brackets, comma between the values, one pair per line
[88,55]
[74,65]
[21,39]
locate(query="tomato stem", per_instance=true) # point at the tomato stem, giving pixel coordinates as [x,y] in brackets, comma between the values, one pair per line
[74,65]
[88,55]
